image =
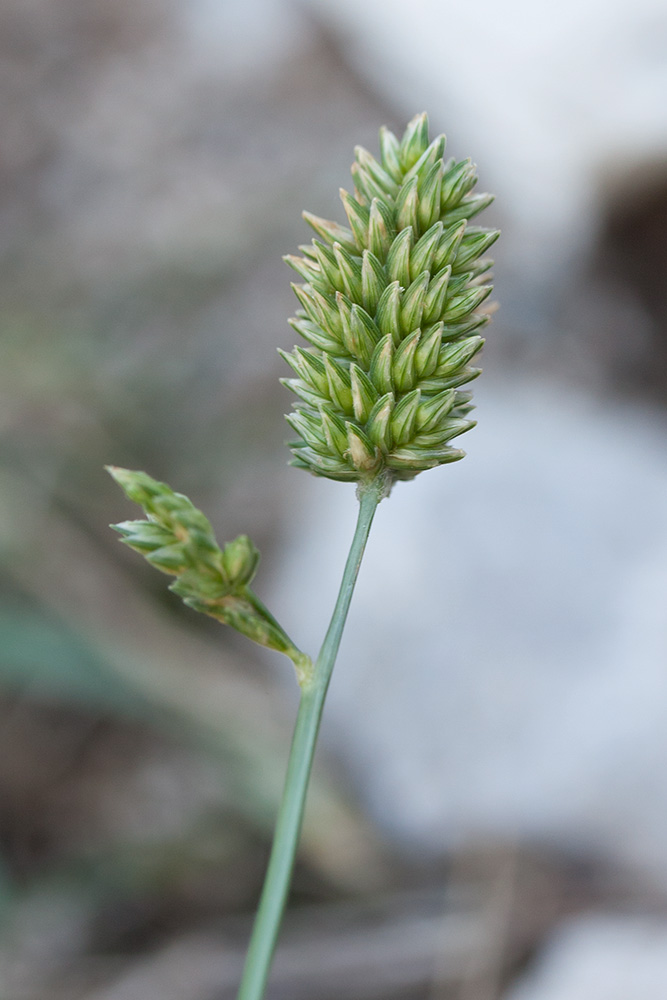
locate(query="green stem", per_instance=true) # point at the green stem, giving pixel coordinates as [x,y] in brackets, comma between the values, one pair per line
[302,663]
[290,814]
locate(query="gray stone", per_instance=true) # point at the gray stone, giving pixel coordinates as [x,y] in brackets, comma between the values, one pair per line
[503,670]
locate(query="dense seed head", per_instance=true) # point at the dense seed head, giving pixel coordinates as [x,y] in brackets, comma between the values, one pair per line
[392,305]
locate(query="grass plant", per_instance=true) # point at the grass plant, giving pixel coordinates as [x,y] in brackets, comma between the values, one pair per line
[392,306]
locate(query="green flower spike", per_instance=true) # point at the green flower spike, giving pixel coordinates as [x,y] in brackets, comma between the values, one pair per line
[177,539]
[391,311]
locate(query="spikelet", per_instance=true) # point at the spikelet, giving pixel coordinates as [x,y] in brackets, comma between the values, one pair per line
[392,309]
[178,539]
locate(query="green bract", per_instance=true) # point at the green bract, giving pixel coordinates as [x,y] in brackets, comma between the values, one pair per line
[391,312]
[178,539]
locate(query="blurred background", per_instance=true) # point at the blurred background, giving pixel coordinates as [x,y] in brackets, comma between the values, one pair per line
[488,816]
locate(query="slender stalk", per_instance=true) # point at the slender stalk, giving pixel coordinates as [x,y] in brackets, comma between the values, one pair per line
[290,814]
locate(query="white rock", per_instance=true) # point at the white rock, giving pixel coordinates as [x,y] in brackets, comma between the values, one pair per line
[555,102]
[504,672]
[600,958]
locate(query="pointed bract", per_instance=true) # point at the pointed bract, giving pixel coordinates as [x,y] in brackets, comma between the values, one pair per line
[398,259]
[388,315]
[364,457]
[331,232]
[350,272]
[364,393]
[358,216]
[373,281]
[404,417]
[421,257]
[390,153]
[378,426]
[414,141]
